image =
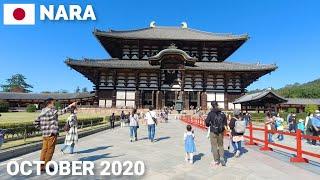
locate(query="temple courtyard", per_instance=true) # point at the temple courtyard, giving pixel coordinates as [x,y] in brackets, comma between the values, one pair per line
[164,159]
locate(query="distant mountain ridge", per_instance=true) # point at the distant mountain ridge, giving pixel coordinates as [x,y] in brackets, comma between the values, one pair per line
[306,90]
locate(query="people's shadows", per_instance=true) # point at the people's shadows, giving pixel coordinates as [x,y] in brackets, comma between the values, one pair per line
[97,157]
[143,138]
[197,157]
[93,149]
[227,155]
[162,138]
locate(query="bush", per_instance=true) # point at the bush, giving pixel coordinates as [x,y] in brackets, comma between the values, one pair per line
[31,108]
[311,108]
[4,106]
[58,105]
[292,110]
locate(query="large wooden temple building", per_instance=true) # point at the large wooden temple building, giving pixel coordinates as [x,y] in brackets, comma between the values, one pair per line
[156,66]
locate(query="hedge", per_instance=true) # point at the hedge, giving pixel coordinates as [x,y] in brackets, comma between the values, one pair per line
[31,108]
[20,129]
[4,106]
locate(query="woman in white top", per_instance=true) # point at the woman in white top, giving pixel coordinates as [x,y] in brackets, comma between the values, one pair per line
[134,125]
[151,118]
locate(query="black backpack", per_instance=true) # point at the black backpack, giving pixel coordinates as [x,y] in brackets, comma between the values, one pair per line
[217,125]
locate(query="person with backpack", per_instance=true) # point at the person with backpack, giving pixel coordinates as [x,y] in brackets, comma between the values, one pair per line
[189,144]
[316,125]
[217,122]
[237,126]
[293,123]
[134,125]
[71,128]
[308,126]
[151,118]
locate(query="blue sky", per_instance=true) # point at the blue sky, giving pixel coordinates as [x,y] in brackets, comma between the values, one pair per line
[281,32]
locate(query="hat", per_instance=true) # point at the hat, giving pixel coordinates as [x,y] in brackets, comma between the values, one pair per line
[317,112]
[236,112]
[301,120]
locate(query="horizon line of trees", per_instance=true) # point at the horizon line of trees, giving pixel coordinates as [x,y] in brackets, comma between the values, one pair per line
[17,83]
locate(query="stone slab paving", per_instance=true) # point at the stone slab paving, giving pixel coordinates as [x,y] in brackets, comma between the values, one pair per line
[164,159]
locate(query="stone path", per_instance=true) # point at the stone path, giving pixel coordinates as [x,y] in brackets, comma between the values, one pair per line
[164,159]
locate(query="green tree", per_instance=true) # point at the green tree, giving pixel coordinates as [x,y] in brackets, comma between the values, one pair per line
[77,90]
[17,83]
[4,106]
[58,105]
[84,89]
[311,108]
[31,108]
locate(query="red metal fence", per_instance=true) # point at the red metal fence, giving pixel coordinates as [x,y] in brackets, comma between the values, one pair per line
[252,140]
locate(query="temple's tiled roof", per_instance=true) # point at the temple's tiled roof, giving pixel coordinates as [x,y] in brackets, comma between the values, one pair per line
[257,97]
[170,33]
[302,101]
[43,96]
[142,64]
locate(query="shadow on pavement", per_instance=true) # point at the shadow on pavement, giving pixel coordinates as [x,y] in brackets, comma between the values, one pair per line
[93,149]
[162,138]
[97,157]
[197,157]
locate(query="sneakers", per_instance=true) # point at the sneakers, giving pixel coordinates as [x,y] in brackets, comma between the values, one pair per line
[191,161]
[223,162]
[186,159]
[237,154]
[214,163]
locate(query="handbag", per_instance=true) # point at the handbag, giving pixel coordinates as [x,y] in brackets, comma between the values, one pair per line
[154,119]
[66,126]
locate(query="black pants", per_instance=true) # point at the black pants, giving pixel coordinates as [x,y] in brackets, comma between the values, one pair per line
[112,124]
[315,133]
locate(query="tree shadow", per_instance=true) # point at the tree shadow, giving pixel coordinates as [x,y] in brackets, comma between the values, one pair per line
[197,157]
[97,157]
[162,138]
[93,149]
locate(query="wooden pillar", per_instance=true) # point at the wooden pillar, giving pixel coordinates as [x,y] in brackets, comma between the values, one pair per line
[159,98]
[204,101]
[186,100]
[164,99]
[137,99]
[153,97]
[114,98]
[198,99]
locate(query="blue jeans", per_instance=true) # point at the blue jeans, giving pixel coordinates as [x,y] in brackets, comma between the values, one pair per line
[1,142]
[71,148]
[133,131]
[151,132]
[270,137]
[280,137]
[236,146]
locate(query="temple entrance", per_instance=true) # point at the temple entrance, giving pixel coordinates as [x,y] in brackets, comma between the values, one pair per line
[147,99]
[193,99]
[170,98]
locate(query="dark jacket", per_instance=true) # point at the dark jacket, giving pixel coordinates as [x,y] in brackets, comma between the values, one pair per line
[211,117]
[232,125]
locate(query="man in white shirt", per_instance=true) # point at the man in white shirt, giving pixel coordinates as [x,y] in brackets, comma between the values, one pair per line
[150,116]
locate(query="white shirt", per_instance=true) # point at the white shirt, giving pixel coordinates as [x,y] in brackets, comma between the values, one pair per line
[186,134]
[149,116]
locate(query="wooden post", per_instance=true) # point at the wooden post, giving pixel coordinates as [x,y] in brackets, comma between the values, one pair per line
[299,158]
[266,140]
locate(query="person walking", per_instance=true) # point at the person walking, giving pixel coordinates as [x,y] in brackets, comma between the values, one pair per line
[300,125]
[279,126]
[151,118]
[217,122]
[112,119]
[293,123]
[269,120]
[72,134]
[134,125]
[47,122]
[237,126]
[2,132]
[189,144]
[316,125]
[122,119]
[308,126]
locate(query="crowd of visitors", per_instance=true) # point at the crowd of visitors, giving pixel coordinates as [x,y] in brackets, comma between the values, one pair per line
[309,126]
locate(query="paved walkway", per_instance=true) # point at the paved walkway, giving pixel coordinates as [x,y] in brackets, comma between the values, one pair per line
[164,159]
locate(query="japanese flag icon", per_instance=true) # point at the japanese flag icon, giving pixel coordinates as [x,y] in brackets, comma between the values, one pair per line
[18,14]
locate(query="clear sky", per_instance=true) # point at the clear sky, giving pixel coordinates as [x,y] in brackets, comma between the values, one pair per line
[283,32]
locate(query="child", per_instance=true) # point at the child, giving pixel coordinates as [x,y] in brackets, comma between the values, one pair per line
[300,125]
[189,144]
